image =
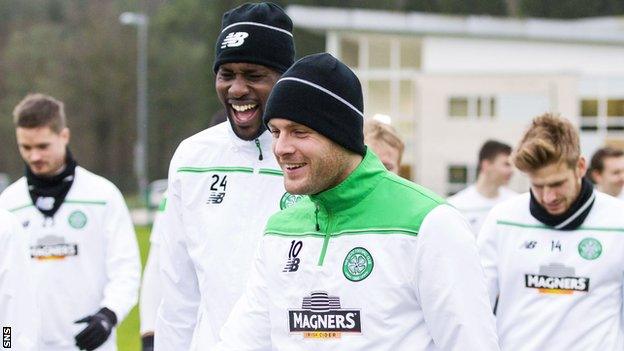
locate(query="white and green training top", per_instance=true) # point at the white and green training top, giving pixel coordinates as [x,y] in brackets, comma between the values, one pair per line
[84,258]
[18,305]
[376,263]
[558,290]
[221,192]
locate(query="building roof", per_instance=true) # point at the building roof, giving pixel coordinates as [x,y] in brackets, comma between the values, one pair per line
[594,30]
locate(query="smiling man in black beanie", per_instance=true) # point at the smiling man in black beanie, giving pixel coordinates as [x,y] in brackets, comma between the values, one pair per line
[224,183]
[369,261]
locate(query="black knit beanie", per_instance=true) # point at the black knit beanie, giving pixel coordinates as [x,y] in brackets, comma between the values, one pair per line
[321,93]
[259,33]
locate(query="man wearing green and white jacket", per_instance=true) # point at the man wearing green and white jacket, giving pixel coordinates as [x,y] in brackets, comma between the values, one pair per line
[369,261]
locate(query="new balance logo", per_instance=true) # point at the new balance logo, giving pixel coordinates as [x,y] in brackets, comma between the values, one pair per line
[529,244]
[234,39]
[292,264]
[216,198]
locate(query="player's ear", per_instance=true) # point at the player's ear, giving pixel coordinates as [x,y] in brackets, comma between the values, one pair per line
[65,135]
[581,166]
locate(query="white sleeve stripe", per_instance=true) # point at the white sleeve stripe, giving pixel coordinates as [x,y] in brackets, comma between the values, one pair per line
[326,91]
[257,24]
[578,212]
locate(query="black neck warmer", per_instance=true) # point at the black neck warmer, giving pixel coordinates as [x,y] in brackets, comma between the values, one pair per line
[48,193]
[573,217]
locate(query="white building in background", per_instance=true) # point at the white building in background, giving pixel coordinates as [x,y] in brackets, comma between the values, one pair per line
[451,82]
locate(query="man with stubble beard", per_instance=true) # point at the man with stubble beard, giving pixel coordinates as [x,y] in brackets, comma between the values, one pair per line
[224,183]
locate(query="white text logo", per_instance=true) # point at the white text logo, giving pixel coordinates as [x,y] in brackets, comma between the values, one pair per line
[234,39]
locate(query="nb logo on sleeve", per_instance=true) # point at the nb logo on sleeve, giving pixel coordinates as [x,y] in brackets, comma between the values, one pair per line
[234,39]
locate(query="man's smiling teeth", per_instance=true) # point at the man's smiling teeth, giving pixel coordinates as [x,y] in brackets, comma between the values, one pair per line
[291,166]
[243,108]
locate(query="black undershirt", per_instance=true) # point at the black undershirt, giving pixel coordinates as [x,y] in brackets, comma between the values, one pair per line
[48,193]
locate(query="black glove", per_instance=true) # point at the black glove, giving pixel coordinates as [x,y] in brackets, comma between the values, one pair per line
[148,342]
[97,331]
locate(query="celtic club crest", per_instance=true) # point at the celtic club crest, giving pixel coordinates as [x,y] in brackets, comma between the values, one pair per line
[590,248]
[358,264]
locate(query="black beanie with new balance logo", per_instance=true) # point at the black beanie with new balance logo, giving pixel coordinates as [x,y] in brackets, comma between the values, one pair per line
[259,33]
[321,93]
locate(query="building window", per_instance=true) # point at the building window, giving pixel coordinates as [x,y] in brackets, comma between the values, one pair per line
[379,99]
[459,176]
[458,107]
[589,114]
[379,52]
[474,107]
[406,98]
[601,114]
[410,54]
[589,108]
[350,52]
[615,114]
[615,108]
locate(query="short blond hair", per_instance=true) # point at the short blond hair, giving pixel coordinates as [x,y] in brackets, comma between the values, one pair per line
[40,110]
[549,140]
[376,130]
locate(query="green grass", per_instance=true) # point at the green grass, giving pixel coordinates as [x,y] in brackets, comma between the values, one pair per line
[128,338]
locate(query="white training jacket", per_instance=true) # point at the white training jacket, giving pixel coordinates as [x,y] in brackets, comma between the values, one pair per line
[18,305]
[443,308]
[219,196]
[475,207]
[558,290]
[86,257]
[375,263]
[151,291]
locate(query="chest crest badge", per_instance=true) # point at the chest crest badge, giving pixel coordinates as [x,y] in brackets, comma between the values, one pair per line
[77,219]
[590,248]
[358,264]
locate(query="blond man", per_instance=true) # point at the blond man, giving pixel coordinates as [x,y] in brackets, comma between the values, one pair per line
[385,142]
[554,255]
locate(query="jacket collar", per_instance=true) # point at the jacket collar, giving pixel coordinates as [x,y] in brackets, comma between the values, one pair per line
[265,140]
[355,187]
[574,216]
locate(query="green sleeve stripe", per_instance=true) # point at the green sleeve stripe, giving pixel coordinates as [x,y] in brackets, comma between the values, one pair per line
[85,202]
[21,207]
[215,169]
[303,234]
[162,205]
[269,171]
[265,171]
[375,231]
[542,226]
[80,202]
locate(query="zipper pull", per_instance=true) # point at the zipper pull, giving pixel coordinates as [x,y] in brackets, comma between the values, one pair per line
[259,149]
[318,227]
